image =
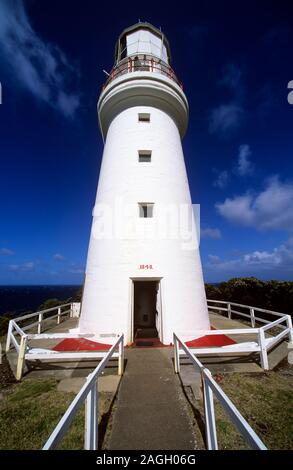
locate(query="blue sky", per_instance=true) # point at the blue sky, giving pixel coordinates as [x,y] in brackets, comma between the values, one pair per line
[235,64]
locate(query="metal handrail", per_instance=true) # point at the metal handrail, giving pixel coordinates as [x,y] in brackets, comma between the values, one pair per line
[142,63]
[210,387]
[88,394]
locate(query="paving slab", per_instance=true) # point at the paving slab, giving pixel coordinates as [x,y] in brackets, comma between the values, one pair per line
[190,378]
[151,411]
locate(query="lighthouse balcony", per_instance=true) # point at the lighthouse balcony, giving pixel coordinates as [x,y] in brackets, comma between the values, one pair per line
[142,80]
[142,63]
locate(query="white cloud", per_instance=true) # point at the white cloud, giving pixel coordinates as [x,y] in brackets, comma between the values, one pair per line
[29,266]
[6,252]
[244,166]
[222,179]
[214,259]
[225,119]
[272,208]
[40,67]
[214,233]
[279,261]
[58,257]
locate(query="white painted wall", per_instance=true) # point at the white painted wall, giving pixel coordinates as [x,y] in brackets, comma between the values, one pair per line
[106,305]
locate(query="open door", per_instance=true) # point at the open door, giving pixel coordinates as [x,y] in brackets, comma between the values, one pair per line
[145,313]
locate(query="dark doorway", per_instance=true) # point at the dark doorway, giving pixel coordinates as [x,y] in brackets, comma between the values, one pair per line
[145,312]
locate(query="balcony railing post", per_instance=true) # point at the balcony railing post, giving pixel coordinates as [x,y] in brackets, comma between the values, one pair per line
[40,323]
[289,325]
[91,421]
[21,357]
[176,356]
[210,424]
[9,333]
[58,315]
[121,357]
[229,310]
[252,317]
[263,350]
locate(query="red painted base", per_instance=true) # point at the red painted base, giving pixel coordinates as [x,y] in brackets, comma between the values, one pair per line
[83,344]
[210,341]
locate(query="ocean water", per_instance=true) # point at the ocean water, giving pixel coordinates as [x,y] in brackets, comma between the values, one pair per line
[20,299]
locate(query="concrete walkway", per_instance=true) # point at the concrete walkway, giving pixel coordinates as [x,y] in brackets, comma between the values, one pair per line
[151,411]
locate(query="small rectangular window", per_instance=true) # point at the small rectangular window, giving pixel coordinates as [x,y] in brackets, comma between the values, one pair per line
[144,117]
[144,155]
[146,209]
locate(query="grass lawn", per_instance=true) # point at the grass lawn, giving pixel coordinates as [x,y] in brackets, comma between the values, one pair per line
[30,410]
[266,402]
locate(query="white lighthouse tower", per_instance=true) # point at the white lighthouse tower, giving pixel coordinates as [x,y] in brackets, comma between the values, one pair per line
[143,273]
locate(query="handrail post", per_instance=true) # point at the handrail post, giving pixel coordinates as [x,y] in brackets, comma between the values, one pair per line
[40,323]
[21,357]
[176,356]
[210,424]
[263,351]
[252,317]
[9,333]
[229,311]
[91,412]
[58,315]
[121,356]
[289,325]
[71,310]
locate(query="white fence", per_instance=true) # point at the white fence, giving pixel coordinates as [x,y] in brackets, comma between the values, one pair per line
[18,337]
[252,313]
[262,343]
[211,388]
[89,395]
[43,317]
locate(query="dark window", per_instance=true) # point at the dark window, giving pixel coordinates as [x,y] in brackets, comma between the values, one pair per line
[144,117]
[144,156]
[146,210]
[123,48]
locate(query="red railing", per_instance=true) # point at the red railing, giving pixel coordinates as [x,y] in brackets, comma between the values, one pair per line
[142,63]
